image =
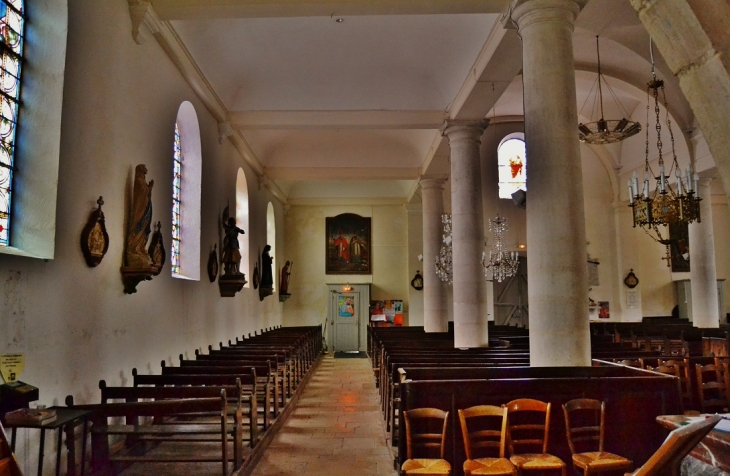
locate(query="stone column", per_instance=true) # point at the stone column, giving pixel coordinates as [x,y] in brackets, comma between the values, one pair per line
[556,235]
[435,314]
[467,228]
[703,273]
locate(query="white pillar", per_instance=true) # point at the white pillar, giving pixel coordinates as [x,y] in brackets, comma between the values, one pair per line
[703,273]
[467,228]
[556,235]
[435,313]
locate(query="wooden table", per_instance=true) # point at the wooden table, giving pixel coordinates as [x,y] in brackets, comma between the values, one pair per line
[66,419]
[715,448]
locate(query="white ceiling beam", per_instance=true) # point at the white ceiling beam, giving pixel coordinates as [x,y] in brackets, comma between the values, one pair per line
[249,120]
[342,173]
[206,9]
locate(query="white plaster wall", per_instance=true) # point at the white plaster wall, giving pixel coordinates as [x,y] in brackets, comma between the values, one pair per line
[73,323]
[305,243]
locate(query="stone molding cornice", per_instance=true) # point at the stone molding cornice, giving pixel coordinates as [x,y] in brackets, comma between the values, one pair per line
[433,182]
[457,130]
[145,22]
[528,12]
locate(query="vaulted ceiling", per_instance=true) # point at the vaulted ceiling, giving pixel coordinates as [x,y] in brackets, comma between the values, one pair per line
[345,98]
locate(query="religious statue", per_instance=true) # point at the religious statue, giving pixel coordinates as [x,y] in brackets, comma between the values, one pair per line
[140,263]
[140,220]
[232,280]
[231,256]
[266,287]
[285,275]
[157,249]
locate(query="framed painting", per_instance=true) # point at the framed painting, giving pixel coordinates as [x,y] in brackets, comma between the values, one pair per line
[348,244]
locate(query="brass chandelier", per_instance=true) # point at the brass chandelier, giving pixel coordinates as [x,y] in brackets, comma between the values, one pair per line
[606,131]
[663,206]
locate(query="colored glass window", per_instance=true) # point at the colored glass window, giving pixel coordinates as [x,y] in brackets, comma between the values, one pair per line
[11,47]
[177,169]
[512,167]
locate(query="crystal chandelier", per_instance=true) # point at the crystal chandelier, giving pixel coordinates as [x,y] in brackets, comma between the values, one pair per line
[502,264]
[605,131]
[664,205]
[444,269]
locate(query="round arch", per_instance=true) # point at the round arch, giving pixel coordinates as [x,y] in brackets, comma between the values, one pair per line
[186,194]
[242,221]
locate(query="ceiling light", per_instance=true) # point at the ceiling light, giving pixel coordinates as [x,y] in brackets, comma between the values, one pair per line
[606,131]
[339,20]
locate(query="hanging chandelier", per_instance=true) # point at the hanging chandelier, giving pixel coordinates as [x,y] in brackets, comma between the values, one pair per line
[605,131]
[502,264]
[663,206]
[444,268]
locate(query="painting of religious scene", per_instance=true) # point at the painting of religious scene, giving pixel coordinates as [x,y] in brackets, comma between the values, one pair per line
[679,247]
[348,244]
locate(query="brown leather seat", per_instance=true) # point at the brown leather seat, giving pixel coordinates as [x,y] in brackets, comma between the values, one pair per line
[422,439]
[591,415]
[531,432]
[484,429]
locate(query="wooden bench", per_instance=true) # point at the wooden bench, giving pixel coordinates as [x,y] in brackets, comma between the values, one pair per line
[186,428]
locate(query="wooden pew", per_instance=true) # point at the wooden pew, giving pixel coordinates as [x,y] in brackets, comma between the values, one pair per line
[184,410]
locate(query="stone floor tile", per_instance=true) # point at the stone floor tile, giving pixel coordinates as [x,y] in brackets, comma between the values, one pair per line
[336,428]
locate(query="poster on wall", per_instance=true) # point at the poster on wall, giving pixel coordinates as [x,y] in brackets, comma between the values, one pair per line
[389,312]
[348,244]
[604,310]
[345,306]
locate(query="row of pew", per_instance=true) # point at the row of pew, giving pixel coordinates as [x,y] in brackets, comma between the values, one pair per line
[418,370]
[222,402]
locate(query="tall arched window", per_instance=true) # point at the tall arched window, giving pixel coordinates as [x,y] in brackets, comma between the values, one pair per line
[512,161]
[271,240]
[242,222]
[11,36]
[185,249]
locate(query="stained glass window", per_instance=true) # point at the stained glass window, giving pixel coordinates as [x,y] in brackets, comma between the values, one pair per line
[176,177]
[512,166]
[11,48]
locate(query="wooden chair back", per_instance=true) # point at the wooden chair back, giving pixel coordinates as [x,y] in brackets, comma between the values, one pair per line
[528,425]
[712,386]
[421,437]
[479,435]
[679,443]
[588,434]
[682,367]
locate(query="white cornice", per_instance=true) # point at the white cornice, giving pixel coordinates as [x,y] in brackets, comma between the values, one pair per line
[346,201]
[198,9]
[364,119]
[342,173]
[145,22]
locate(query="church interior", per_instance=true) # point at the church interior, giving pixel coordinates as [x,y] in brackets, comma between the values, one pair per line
[154,148]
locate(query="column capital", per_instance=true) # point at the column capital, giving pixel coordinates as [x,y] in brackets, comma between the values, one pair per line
[527,12]
[433,182]
[464,129]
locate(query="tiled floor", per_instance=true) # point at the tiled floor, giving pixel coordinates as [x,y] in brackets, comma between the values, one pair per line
[336,427]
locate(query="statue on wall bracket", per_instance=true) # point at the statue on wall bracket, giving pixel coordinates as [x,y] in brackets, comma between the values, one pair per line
[284,293]
[94,238]
[138,265]
[157,249]
[266,286]
[232,279]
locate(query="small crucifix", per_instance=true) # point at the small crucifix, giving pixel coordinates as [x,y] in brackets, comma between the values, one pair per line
[668,257]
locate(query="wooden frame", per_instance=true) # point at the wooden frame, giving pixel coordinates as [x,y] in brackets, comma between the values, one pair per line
[348,246]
